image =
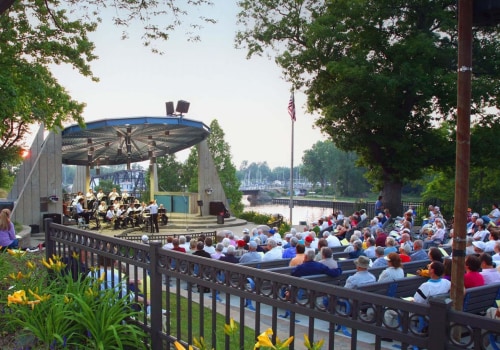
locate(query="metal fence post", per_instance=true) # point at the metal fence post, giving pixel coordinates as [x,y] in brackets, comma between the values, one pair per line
[156,297]
[49,245]
[438,323]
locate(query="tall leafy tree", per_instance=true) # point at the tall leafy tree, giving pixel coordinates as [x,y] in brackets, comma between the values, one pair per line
[318,163]
[169,173]
[36,34]
[325,163]
[381,73]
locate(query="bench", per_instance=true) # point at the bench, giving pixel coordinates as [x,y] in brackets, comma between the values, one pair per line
[399,288]
[265,265]
[478,299]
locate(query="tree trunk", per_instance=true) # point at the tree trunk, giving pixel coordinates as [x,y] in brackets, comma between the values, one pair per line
[391,194]
[5,4]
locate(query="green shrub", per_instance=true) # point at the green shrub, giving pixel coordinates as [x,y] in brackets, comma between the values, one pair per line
[45,308]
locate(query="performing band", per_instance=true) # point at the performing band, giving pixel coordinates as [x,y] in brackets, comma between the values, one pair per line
[119,211]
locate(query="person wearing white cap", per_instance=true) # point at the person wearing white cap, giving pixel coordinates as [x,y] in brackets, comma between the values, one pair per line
[479,246]
[145,239]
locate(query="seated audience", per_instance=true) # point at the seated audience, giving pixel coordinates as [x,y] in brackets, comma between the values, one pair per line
[252,256]
[435,286]
[394,270]
[311,267]
[362,276]
[473,277]
[488,271]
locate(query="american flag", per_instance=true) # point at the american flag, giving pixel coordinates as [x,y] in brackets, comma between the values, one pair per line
[291,107]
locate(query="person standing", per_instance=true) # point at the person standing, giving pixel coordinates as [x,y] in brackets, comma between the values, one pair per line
[8,238]
[153,216]
[379,206]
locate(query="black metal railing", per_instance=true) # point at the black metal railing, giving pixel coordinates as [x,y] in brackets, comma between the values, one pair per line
[188,295]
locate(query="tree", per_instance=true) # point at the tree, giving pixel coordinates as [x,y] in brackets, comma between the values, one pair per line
[325,163]
[382,74]
[169,173]
[37,34]
[318,163]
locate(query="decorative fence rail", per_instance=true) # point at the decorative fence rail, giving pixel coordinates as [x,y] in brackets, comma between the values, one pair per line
[172,283]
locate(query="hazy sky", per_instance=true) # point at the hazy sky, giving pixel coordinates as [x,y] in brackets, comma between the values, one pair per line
[248,97]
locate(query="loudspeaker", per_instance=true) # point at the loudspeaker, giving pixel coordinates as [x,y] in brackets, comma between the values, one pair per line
[182,106]
[170,108]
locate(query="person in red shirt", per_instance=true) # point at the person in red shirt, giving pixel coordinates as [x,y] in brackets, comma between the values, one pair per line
[177,247]
[404,253]
[473,277]
[381,237]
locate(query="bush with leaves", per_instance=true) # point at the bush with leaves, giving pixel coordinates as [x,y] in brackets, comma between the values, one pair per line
[47,308]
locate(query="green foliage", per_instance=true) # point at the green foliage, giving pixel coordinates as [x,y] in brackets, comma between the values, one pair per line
[107,186]
[190,170]
[382,74]
[325,163]
[169,173]
[256,218]
[58,312]
[221,153]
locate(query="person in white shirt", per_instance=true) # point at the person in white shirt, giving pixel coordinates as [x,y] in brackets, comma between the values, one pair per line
[493,216]
[100,195]
[90,195]
[113,195]
[332,240]
[274,251]
[394,270]
[434,286]
[481,232]
[125,196]
[489,247]
[496,249]
[110,214]
[489,273]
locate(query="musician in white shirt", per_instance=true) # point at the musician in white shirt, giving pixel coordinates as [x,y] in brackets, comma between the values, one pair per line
[113,195]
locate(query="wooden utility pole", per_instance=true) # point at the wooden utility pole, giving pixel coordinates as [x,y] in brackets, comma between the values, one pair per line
[465,15]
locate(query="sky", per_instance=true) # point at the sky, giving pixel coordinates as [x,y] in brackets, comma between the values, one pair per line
[249,98]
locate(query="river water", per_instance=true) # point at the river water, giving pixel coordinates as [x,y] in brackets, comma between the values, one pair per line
[307,214]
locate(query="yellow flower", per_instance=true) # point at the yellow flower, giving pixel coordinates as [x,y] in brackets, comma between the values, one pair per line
[44,297]
[179,346]
[16,252]
[18,297]
[91,293]
[32,303]
[200,344]
[230,328]
[30,265]
[75,255]
[264,341]
[67,300]
[314,346]
[55,265]
[285,344]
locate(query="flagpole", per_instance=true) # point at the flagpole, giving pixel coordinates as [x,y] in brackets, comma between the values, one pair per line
[291,111]
[291,177]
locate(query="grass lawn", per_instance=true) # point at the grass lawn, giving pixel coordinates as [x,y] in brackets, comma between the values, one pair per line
[250,337]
